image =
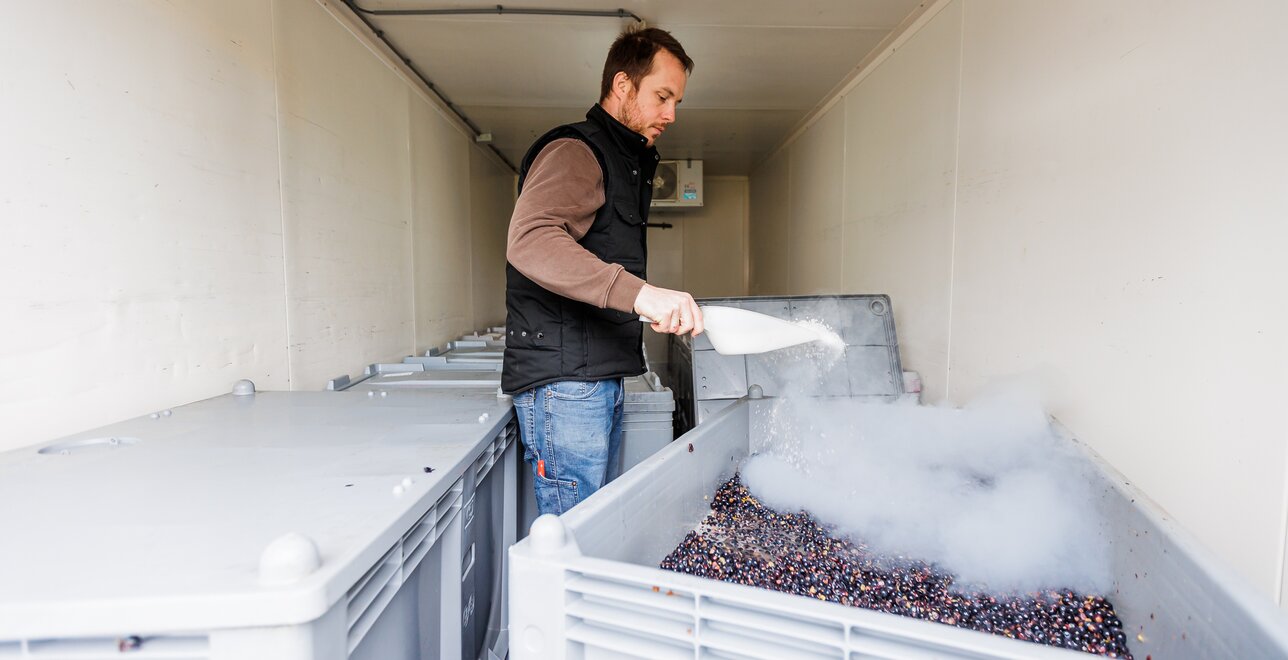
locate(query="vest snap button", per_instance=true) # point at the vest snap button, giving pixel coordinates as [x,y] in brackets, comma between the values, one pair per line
[524,333]
[634,172]
[541,335]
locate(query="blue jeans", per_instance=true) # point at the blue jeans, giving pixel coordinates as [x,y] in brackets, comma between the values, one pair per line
[571,431]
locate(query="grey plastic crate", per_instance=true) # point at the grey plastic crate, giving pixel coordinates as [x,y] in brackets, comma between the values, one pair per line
[225,501]
[489,526]
[488,339]
[659,407]
[639,444]
[870,368]
[646,387]
[490,502]
[415,376]
[465,351]
[441,362]
[586,585]
[489,491]
[463,346]
[708,409]
[641,417]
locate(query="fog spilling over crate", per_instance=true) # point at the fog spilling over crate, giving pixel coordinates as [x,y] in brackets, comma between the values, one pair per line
[254,526]
[586,584]
[706,381]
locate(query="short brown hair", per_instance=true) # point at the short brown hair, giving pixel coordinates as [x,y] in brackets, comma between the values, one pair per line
[633,53]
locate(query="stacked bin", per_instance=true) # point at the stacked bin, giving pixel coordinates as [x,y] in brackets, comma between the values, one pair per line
[705,381]
[587,584]
[251,526]
[471,351]
[473,363]
[416,374]
[489,500]
[648,420]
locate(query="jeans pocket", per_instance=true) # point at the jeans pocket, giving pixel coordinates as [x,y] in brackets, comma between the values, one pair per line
[575,390]
[555,496]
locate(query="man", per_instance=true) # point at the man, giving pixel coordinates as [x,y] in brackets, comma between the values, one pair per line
[575,287]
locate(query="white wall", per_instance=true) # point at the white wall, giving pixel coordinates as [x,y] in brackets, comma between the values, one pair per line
[194,193]
[346,188]
[770,228]
[705,250]
[1094,191]
[491,203]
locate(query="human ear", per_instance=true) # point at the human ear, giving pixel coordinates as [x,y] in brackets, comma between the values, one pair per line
[622,84]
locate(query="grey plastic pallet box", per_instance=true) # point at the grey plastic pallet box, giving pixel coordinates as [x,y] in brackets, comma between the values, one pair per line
[250,526]
[490,500]
[587,585]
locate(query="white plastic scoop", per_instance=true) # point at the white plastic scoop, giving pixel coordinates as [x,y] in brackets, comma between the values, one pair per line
[734,331]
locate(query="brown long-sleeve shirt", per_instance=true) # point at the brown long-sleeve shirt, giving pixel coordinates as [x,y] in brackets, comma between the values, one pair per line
[561,195]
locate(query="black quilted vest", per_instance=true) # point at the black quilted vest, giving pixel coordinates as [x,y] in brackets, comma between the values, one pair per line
[551,338]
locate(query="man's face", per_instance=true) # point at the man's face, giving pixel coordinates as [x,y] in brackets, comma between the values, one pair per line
[649,109]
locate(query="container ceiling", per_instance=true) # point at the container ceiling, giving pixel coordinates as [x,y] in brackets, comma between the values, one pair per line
[760,66]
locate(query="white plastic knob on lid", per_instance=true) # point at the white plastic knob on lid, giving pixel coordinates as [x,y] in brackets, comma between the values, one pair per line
[548,533]
[288,559]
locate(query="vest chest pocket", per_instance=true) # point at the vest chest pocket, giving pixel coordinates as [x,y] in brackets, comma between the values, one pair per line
[628,213]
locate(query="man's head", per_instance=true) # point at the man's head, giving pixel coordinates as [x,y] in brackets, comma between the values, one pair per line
[644,78]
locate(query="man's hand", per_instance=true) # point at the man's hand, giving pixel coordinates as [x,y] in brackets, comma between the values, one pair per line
[672,312]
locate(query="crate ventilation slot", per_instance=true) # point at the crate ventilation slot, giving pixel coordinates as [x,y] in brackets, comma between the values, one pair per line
[733,627]
[367,599]
[493,454]
[623,617]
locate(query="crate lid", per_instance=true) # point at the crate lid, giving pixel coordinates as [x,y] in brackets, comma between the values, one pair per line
[160,523]
[646,388]
[441,362]
[468,349]
[420,377]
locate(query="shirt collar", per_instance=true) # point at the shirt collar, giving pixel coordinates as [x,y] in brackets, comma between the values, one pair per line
[628,140]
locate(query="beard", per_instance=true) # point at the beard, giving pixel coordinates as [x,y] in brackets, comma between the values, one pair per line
[631,115]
